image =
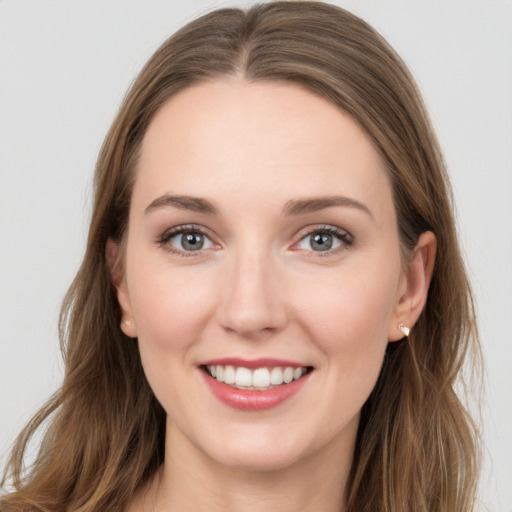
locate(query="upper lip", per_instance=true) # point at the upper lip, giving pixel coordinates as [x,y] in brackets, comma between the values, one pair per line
[264,362]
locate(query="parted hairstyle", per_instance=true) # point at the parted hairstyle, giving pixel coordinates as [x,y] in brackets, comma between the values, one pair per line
[416,447]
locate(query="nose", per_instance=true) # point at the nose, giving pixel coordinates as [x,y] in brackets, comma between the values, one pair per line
[253,302]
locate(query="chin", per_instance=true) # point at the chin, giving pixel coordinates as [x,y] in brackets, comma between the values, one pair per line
[259,451]
[258,460]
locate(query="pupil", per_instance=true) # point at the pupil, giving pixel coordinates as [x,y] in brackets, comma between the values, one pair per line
[321,242]
[192,241]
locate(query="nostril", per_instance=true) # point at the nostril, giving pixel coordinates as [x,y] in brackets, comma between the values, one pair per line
[253,320]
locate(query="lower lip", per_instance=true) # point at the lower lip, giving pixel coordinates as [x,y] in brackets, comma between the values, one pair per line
[253,400]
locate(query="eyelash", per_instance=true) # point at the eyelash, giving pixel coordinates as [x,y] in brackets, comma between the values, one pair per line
[168,235]
[346,239]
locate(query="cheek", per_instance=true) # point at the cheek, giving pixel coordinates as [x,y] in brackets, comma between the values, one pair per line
[349,325]
[170,311]
[349,321]
[169,305]
[351,310]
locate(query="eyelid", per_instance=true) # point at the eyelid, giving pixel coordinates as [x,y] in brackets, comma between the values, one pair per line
[168,234]
[346,238]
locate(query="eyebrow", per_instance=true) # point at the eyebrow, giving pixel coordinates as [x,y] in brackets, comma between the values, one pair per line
[292,207]
[314,204]
[196,204]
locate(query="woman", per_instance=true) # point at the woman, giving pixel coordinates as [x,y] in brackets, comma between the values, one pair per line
[272,307]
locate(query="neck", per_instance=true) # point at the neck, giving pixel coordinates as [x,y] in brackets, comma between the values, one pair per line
[191,480]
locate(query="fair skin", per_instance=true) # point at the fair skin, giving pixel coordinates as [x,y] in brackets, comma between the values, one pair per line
[262,272]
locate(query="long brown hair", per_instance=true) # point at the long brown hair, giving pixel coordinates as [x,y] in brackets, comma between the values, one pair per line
[416,447]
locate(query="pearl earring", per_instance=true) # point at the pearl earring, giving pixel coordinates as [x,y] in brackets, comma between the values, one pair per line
[405,330]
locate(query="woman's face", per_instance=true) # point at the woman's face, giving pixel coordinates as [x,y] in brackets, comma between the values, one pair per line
[262,247]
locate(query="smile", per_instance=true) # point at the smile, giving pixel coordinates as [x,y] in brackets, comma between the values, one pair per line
[254,385]
[257,379]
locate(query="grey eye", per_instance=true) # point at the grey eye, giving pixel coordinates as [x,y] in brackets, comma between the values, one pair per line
[190,241]
[320,241]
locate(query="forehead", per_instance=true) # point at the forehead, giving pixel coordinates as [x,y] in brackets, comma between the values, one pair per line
[266,141]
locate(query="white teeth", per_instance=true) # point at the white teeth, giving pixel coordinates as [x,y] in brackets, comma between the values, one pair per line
[260,378]
[243,377]
[229,375]
[288,375]
[276,376]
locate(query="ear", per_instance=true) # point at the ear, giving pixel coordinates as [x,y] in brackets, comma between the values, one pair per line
[113,258]
[414,289]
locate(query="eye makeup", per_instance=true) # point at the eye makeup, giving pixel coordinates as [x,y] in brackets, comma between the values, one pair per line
[193,240]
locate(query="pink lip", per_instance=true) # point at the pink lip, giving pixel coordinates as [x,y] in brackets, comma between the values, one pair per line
[254,400]
[253,363]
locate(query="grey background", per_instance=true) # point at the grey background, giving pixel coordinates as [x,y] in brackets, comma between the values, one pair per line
[64,68]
